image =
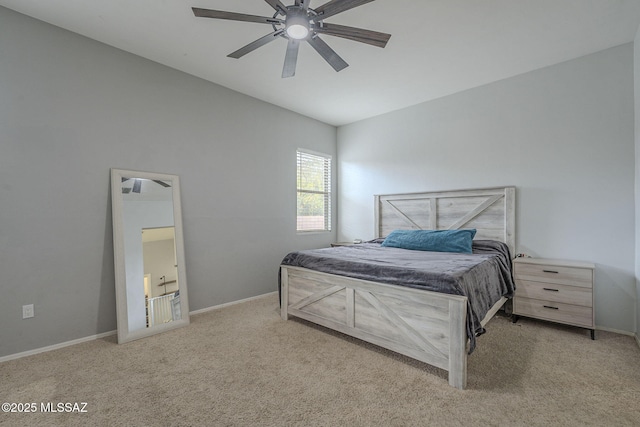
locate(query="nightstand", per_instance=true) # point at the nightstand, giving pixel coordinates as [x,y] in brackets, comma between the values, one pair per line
[554,290]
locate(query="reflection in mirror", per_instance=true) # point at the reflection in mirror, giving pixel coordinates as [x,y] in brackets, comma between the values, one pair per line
[161,289]
[151,288]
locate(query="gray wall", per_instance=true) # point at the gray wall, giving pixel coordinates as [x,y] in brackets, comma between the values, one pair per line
[636,74]
[563,135]
[71,109]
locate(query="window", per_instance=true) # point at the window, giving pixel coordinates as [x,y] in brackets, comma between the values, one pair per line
[314,191]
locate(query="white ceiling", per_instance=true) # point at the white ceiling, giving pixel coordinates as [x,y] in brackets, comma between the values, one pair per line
[438,47]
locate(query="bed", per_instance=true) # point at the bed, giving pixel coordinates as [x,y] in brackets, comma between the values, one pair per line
[432,326]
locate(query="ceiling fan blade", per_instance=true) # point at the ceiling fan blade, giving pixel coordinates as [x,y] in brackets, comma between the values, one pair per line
[278,6]
[255,44]
[164,184]
[336,6]
[137,185]
[373,38]
[291,58]
[220,14]
[303,3]
[327,53]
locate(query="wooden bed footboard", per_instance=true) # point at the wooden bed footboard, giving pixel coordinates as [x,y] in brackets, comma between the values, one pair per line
[427,326]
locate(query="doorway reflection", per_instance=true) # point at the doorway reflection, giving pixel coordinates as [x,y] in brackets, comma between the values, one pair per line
[162,290]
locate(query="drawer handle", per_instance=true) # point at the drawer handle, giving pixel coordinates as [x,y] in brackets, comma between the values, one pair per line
[552,290]
[552,308]
[550,271]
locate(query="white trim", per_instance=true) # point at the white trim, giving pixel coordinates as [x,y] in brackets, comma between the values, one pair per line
[227,304]
[615,331]
[56,346]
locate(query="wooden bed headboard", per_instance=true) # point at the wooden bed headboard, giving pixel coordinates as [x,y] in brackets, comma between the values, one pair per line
[491,211]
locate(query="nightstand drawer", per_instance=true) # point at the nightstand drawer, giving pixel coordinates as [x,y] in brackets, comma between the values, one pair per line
[550,310]
[554,274]
[576,295]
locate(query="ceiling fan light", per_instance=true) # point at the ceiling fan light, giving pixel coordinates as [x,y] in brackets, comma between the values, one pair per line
[297,31]
[297,23]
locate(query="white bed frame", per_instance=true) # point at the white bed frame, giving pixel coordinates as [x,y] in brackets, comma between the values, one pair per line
[427,326]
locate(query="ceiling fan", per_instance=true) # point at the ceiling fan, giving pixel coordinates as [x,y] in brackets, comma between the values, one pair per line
[298,23]
[137,185]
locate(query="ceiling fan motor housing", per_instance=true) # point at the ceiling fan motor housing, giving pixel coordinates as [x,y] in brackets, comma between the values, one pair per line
[297,22]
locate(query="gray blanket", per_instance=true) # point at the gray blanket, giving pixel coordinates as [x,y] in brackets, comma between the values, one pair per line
[483,277]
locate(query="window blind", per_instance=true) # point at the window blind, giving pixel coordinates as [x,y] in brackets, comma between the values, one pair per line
[314,191]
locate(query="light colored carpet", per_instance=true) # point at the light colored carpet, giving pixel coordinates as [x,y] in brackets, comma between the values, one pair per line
[244,366]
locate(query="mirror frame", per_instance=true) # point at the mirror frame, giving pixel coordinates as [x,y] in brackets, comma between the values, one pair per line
[124,334]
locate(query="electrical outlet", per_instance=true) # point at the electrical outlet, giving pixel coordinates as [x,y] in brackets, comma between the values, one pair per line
[27,311]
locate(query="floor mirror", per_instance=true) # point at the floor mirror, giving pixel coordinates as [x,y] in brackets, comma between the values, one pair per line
[151,284]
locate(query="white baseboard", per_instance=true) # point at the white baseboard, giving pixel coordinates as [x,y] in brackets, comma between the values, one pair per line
[56,346]
[218,307]
[615,331]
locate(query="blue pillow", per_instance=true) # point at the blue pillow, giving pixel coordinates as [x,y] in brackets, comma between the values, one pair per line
[432,240]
